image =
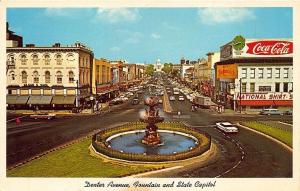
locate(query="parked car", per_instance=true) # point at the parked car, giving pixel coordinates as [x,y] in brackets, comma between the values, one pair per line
[271,112]
[172,98]
[43,116]
[288,112]
[227,127]
[135,101]
[180,98]
[160,101]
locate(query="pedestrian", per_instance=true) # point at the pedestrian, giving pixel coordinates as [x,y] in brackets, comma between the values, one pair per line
[18,120]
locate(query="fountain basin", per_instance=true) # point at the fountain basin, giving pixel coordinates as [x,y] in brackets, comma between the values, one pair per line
[103,143]
[171,142]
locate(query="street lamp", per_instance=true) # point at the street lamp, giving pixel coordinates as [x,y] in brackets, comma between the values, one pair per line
[76,94]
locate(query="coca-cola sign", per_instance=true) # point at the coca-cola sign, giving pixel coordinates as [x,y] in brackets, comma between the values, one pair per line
[270,47]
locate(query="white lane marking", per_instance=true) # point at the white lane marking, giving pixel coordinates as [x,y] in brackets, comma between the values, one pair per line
[242,157]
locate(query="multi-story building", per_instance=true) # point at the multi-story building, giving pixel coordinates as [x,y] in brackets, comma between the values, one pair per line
[158,66]
[255,74]
[59,74]
[101,74]
[13,40]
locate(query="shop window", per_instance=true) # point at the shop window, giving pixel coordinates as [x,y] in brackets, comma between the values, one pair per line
[260,73]
[244,72]
[285,87]
[252,73]
[277,87]
[277,72]
[252,87]
[285,73]
[269,72]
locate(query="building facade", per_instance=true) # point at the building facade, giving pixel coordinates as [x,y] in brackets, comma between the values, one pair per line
[50,71]
[256,75]
[158,66]
[101,73]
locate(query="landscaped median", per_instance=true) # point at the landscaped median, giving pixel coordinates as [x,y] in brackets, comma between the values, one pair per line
[75,161]
[277,131]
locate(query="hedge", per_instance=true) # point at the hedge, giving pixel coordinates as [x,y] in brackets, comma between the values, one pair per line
[99,144]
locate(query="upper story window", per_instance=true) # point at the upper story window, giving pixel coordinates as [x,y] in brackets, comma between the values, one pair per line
[23,59]
[244,72]
[35,77]
[35,59]
[47,59]
[24,77]
[47,77]
[58,77]
[71,77]
[285,73]
[252,73]
[12,75]
[277,72]
[269,72]
[58,59]
[260,73]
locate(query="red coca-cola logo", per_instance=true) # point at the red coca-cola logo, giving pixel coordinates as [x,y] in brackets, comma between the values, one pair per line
[270,47]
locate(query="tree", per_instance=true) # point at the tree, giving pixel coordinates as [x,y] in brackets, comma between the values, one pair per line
[167,68]
[150,69]
[175,73]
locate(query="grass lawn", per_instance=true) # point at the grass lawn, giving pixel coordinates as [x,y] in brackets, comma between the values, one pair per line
[75,161]
[278,133]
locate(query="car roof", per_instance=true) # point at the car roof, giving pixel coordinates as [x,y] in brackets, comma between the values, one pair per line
[226,123]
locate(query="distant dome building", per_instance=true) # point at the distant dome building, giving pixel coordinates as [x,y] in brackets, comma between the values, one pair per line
[158,66]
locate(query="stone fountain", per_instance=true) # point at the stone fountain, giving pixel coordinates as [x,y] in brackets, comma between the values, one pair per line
[151,117]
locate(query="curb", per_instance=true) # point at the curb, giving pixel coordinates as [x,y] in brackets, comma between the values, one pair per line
[269,137]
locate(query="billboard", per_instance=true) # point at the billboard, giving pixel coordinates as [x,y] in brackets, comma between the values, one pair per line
[241,47]
[228,71]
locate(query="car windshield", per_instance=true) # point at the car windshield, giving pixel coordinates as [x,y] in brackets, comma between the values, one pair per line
[226,124]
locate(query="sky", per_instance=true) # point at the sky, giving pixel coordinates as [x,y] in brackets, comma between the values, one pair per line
[143,35]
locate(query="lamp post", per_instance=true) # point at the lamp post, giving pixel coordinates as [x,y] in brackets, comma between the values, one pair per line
[76,93]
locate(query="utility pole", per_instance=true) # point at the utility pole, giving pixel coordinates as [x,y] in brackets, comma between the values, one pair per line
[240,95]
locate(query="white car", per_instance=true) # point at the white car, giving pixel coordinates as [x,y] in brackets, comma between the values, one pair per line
[227,127]
[172,98]
[180,98]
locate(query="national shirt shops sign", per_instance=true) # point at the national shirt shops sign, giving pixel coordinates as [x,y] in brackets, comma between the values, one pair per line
[265,99]
[241,47]
[264,96]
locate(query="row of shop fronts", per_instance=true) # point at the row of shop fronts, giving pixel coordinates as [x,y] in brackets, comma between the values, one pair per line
[49,98]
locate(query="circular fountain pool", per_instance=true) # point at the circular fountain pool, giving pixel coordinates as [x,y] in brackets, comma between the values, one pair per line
[171,142]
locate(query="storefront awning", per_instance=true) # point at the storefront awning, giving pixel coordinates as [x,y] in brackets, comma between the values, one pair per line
[69,100]
[39,100]
[11,99]
[58,100]
[45,100]
[265,102]
[22,100]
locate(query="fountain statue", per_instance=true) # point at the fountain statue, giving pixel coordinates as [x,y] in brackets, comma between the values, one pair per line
[151,117]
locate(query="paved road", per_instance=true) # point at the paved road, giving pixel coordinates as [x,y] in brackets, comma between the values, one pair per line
[243,155]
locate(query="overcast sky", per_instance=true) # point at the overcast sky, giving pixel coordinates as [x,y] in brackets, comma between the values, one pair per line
[146,34]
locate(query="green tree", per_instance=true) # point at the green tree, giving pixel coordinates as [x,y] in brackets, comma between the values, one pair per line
[167,68]
[150,69]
